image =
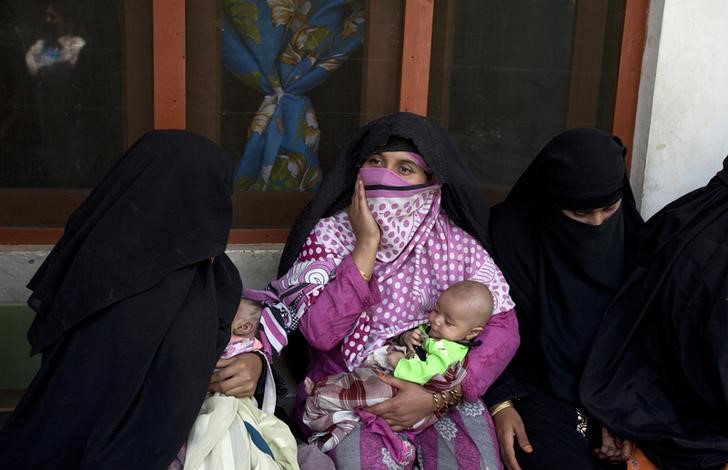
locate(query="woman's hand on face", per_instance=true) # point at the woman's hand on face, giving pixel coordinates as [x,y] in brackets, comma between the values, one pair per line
[508,423]
[362,221]
[237,376]
[407,407]
[614,449]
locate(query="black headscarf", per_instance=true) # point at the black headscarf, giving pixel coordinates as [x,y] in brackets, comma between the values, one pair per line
[462,200]
[131,313]
[166,204]
[658,371]
[562,273]
[461,197]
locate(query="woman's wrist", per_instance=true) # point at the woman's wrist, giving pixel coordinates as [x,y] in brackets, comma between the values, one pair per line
[364,256]
[498,407]
[442,401]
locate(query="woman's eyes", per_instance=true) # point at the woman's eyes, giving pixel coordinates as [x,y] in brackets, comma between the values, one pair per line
[379,162]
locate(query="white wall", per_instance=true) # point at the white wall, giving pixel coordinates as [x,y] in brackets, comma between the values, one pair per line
[681,134]
[257,265]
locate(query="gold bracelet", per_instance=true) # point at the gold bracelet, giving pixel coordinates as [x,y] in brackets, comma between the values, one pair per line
[445,403]
[440,403]
[455,397]
[365,276]
[437,404]
[495,409]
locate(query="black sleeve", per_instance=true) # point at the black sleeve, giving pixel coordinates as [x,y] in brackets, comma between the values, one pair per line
[260,388]
[506,387]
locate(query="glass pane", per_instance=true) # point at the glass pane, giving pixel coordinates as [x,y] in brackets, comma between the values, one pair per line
[281,88]
[507,76]
[75,91]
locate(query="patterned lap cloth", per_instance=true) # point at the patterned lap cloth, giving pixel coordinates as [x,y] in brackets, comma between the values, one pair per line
[334,408]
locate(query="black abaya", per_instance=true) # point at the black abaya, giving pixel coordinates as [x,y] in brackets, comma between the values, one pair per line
[562,275]
[131,313]
[658,371]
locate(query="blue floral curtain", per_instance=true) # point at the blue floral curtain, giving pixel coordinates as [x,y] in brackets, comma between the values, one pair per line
[285,48]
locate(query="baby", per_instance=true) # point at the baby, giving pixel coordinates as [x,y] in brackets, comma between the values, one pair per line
[243,329]
[429,355]
[206,442]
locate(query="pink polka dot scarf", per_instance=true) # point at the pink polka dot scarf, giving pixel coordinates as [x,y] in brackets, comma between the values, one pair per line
[421,254]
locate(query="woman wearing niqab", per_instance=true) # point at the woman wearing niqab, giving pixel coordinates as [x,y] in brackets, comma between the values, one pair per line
[132,309]
[563,239]
[658,371]
[433,234]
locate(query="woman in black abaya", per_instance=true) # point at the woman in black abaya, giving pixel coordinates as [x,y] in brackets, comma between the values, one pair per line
[563,239]
[658,371]
[133,307]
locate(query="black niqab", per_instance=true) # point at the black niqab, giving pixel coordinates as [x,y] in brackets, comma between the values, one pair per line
[658,370]
[166,204]
[131,313]
[562,272]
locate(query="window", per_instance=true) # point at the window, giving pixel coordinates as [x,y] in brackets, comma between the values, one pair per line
[75,90]
[501,76]
[507,76]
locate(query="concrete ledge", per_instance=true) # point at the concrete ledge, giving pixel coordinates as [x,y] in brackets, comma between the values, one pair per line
[257,265]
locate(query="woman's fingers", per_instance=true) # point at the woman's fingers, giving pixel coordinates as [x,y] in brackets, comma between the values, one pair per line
[221,363]
[508,454]
[393,381]
[509,429]
[613,448]
[410,404]
[626,450]
[508,451]
[609,448]
[361,218]
[522,438]
[382,409]
[355,207]
[238,376]
[386,408]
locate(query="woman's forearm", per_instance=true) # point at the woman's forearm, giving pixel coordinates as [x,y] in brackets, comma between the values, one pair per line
[499,343]
[364,257]
[330,318]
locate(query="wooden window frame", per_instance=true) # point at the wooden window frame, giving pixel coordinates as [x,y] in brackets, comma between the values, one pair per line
[170,101]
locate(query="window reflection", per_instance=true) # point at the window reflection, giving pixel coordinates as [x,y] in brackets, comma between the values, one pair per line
[64,113]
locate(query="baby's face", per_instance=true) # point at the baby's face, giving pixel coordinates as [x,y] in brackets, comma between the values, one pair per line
[453,319]
[246,318]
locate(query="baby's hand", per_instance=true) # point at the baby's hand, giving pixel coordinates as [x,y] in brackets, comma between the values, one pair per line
[411,339]
[394,358]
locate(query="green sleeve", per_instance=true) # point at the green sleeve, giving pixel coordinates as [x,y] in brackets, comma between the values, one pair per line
[441,354]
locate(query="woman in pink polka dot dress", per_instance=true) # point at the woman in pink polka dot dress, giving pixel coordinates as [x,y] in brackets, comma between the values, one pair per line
[396,222]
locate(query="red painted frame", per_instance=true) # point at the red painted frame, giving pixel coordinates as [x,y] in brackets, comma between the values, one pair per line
[416,50]
[634,36]
[168,33]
